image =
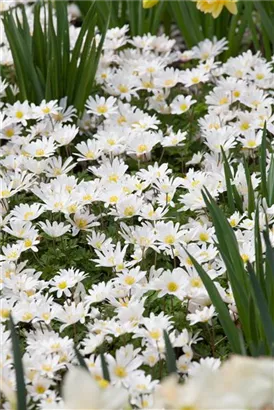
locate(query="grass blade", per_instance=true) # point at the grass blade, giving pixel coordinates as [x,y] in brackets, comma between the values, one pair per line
[104,367]
[170,355]
[221,308]
[80,359]
[19,371]
[263,308]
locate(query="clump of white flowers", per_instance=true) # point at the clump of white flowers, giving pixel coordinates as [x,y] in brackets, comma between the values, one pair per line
[120,183]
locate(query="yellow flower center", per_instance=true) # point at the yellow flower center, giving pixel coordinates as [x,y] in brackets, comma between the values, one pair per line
[142,148]
[40,389]
[46,110]
[196,283]
[223,101]
[121,120]
[183,107]
[251,143]
[204,236]
[102,109]
[129,211]
[81,223]
[148,84]
[27,243]
[46,316]
[19,114]
[113,178]
[123,88]
[103,383]
[195,80]
[113,199]
[9,132]
[120,371]
[27,316]
[245,257]
[233,223]
[5,193]
[129,280]
[58,205]
[87,197]
[62,285]
[155,334]
[90,155]
[13,255]
[195,183]
[244,126]
[172,286]
[189,261]
[46,367]
[169,82]
[39,152]
[4,313]
[72,209]
[169,239]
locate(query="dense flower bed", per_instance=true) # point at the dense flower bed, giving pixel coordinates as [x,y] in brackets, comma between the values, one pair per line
[101,212]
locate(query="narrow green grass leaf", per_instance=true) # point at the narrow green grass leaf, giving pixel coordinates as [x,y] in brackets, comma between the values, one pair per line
[263,308]
[229,191]
[250,190]
[270,183]
[229,176]
[252,314]
[221,308]
[269,253]
[267,23]
[259,264]
[262,163]
[104,367]
[21,392]
[80,359]
[170,355]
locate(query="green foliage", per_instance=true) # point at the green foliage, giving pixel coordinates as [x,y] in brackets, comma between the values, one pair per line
[267,179]
[170,355]
[131,12]
[19,371]
[45,66]
[251,27]
[104,367]
[80,359]
[252,286]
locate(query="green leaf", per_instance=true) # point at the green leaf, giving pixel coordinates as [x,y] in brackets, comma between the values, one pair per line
[267,22]
[269,252]
[231,187]
[250,190]
[170,355]
[104,367]
[263,308]
[19,371]
[221,308]
[258,250]
[270,183]
[262,163]
[229,250]
[80,359]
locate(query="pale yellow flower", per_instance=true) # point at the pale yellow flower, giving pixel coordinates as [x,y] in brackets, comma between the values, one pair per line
[216,6]
[147,4]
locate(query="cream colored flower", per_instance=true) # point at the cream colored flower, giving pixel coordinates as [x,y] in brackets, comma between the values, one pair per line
[82,392]
[147,4]
[215,7]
